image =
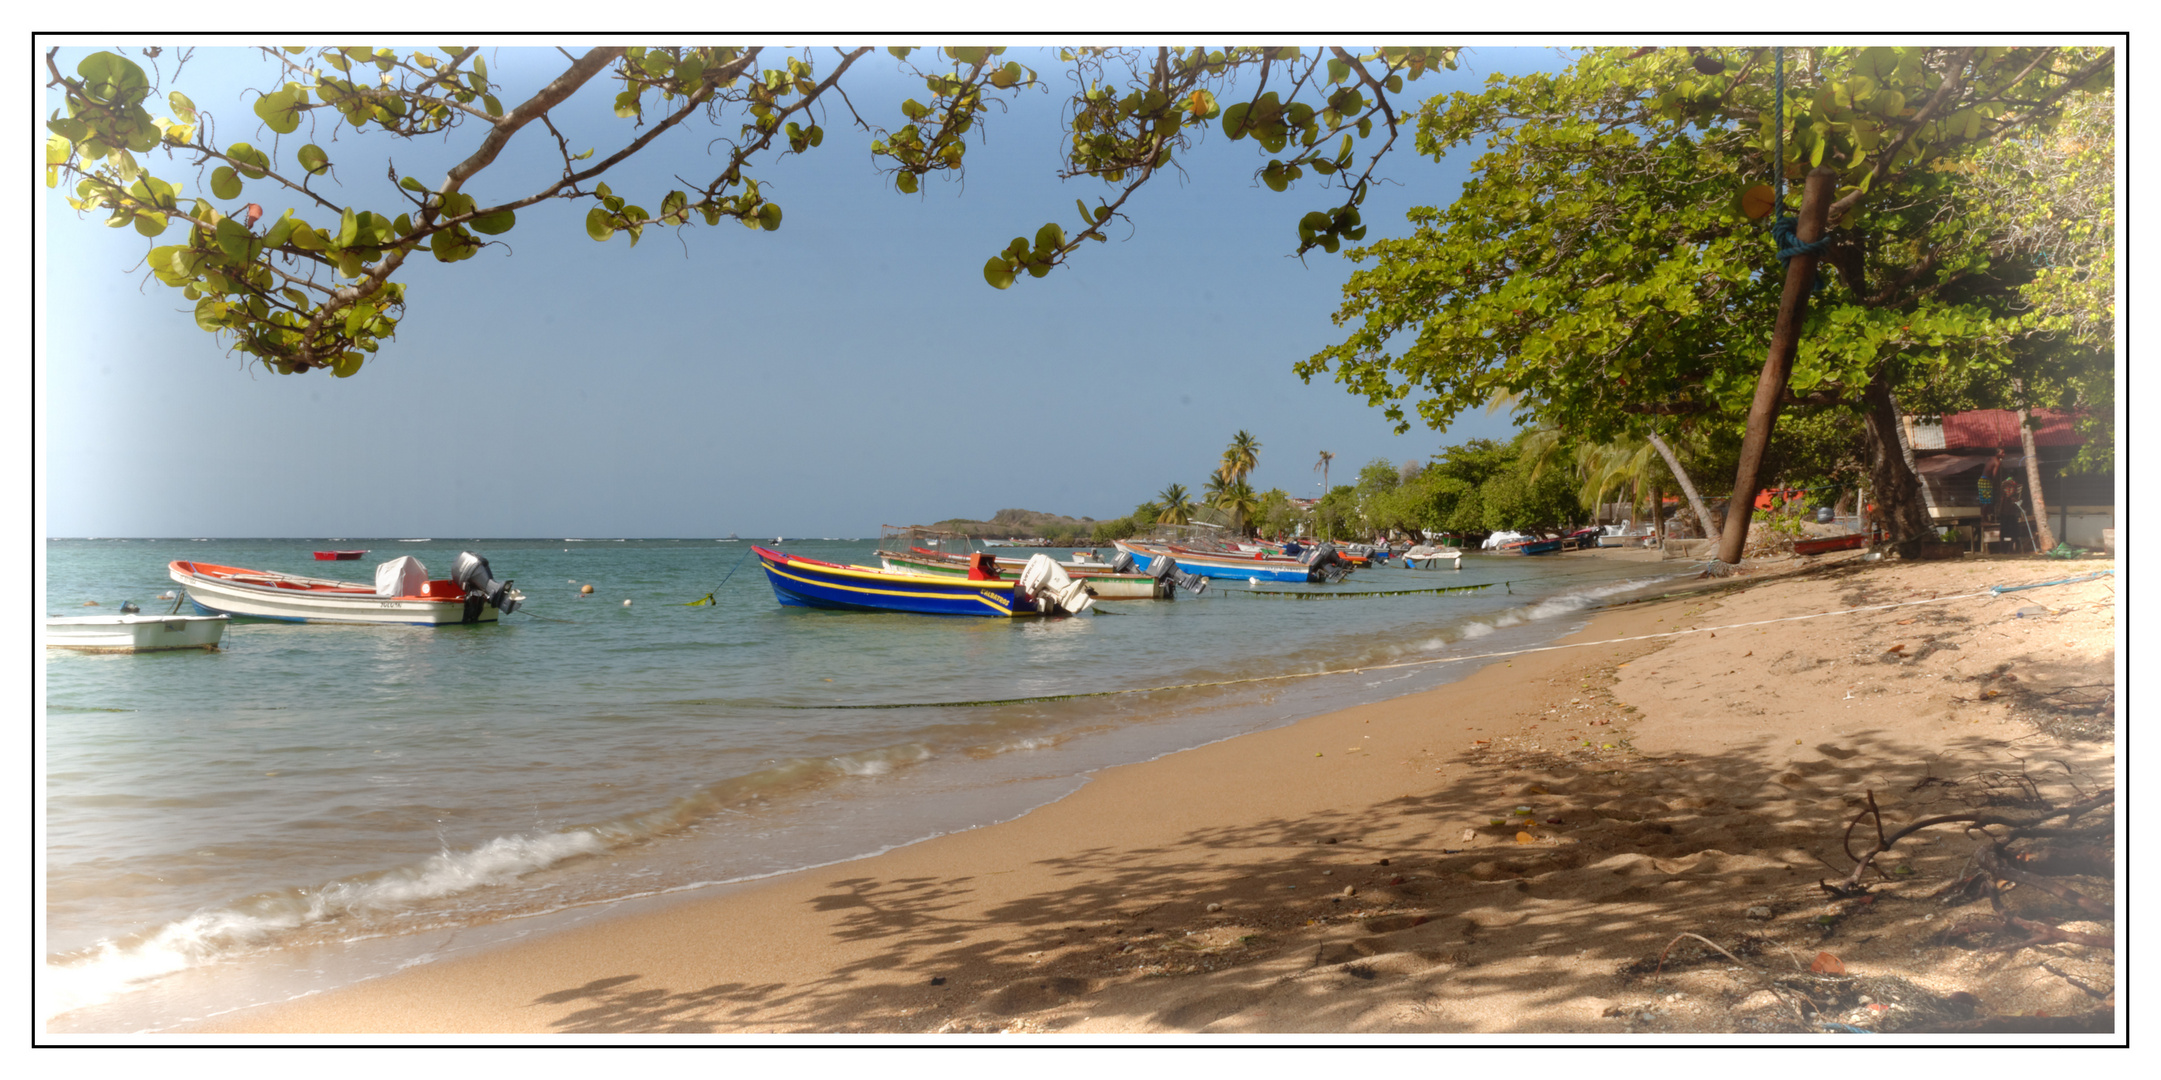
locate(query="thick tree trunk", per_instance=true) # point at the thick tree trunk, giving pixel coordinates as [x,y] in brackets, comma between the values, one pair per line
[1688,489]
[1900,511]
[1778,364]
[1658,513]
[2044,538]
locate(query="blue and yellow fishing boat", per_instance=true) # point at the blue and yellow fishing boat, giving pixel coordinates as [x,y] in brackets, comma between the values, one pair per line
[801,582]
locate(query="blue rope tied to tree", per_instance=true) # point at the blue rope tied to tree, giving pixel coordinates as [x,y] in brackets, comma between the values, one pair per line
[1786,229]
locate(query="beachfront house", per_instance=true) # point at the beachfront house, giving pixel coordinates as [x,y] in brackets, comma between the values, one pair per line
[1951,451]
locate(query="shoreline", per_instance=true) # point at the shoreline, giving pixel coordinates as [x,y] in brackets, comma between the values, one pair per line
[1352,847]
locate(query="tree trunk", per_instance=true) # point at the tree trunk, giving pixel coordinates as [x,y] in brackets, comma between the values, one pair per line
[1680,476]
[1777,364]
[1658,514]
[2044,538]
[1899,508]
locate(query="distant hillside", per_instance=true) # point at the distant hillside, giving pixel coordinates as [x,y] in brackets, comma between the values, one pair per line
[1019,525]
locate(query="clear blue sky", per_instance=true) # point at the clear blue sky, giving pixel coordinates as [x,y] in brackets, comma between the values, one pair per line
[848,370]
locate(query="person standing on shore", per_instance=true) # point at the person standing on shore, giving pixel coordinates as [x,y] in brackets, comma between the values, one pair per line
[1986,486]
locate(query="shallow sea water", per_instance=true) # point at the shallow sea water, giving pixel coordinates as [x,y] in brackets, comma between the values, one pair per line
[313,803]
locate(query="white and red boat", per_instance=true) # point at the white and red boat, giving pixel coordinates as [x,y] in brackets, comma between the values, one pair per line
[402,594]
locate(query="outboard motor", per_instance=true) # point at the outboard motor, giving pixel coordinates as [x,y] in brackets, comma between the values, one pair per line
[1165,568]
[1123,564]
[1325,564]
[471,573]
[129,607]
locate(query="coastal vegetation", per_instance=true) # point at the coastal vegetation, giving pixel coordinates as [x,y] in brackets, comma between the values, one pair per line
[1609,264]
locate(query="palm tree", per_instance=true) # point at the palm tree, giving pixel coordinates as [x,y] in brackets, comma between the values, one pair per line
[1177,505]
[1239,499]
[1242,456]
[1322,468]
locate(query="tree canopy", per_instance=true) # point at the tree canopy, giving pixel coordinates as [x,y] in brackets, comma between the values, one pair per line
[318,286]
[1601,266]
[1607,267]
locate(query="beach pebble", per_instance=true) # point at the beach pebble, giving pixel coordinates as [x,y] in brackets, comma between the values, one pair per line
[1215,908]
[1328,873]
[1350,890]
[1759,912]
[1470,834]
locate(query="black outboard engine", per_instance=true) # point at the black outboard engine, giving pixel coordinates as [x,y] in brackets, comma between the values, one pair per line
[1326,564]
[1165,568]
[471,573]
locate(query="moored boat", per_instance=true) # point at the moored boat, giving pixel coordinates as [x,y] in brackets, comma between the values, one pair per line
[1326,566]
[135,633]
[328,556]
[402,594]
[1100,581]
[802,582]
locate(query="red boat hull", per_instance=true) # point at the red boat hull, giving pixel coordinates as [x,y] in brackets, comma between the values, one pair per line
[327,556]
[1829,543]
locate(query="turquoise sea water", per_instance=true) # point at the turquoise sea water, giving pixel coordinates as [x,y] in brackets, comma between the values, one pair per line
[313,804]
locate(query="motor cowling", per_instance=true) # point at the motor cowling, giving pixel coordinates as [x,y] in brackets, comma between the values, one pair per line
[472,574]
[1325,564]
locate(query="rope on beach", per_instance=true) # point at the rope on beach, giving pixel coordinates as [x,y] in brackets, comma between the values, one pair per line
[1295,595]
[2001,589]
[1364,668]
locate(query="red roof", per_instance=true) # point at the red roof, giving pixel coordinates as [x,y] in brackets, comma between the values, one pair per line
[1984,429]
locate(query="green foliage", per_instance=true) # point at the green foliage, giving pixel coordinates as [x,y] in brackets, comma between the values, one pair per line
[1175,507]
[1597,266]
[1527,499]
[1277,515]
[287,296]
[1336,516]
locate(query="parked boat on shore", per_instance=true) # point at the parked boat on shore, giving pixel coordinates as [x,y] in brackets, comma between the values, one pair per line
[402,594]
[1433,557]
[1819,545]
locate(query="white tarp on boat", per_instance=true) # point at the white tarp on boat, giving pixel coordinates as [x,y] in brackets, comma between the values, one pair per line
[402,576]
[1048,582]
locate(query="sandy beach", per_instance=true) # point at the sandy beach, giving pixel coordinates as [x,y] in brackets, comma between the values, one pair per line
[1509,854]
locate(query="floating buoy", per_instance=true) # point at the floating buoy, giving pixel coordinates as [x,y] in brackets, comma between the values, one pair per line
[585,590]
[626,603]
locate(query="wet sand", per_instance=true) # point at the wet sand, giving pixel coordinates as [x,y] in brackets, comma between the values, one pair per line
[1369,871]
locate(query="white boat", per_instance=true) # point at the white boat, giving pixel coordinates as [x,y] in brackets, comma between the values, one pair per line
[402,594]
[1433,557]
[135,633]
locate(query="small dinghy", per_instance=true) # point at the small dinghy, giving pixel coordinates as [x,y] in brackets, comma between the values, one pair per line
[135,633]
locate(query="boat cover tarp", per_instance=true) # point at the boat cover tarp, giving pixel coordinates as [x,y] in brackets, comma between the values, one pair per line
[402,576]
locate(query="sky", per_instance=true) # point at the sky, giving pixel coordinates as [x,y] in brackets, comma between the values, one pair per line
[848,370]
